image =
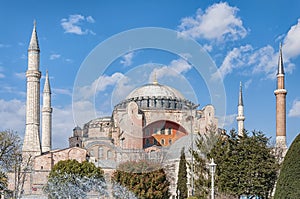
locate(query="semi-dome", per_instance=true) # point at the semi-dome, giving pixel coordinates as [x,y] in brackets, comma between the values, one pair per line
[155,90]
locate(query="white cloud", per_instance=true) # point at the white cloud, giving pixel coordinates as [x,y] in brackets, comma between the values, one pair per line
[247,83]
[127,59]
[54,56]
[175,68]
[74,22]
[259,61]
[13,117]
[13,90]
[218,22]
[61,91]
[295,110]
[266,60]
[100,84]
[69,60]
[2,75]
[20,75]
[21,43]
[4,45]
[12,113]
[62,125]
[90,19]
[236,58]
[83,111]
[291,44]
[229,120]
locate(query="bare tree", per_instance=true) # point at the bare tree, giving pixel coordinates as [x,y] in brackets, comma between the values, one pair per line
[12,163]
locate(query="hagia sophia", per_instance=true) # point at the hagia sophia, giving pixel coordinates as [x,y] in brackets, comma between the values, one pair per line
[152,123]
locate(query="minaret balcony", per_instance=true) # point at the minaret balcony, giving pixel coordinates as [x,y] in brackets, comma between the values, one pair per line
[280,91]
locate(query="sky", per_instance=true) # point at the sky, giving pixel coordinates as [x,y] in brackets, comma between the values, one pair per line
[93,65]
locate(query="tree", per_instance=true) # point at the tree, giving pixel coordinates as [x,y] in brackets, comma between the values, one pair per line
[141,178]
[71,179]
[182,177]
[10,147]
[205,142]
[3,183]
[245,165]
[11,161]
[289,178]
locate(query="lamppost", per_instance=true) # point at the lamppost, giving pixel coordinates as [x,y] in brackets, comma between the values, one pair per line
[122,139]
[192,107]
[212,167]
[178,194]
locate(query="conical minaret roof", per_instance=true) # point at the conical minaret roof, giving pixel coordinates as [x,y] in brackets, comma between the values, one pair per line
[34,43]
[241,103]
[280,70]
[47,84]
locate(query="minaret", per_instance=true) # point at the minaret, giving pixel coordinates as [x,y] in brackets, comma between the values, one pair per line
[280,94]
[240,118]
[46,116]
[32,145]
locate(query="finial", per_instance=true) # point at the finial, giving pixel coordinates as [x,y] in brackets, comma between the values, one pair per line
[155,79]
[34,23]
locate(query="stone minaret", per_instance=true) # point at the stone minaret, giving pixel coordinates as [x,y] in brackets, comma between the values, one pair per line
[240,118]
[280,94]
[32,145]
[46,117]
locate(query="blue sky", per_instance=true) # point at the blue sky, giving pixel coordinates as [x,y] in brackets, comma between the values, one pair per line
[241,37]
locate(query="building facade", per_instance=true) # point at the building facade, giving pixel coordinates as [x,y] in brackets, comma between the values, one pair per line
[154,122]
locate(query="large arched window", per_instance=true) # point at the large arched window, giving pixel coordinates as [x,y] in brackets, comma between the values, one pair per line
[100,152]
[109,154]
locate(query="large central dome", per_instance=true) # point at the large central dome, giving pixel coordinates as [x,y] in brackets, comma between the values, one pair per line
[155,90]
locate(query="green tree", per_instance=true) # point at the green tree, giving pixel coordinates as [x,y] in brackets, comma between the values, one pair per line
[245,165]
[71,179]
[143,179]
[288,183]
[182,177]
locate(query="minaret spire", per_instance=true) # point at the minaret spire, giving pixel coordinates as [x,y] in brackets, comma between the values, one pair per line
[280,94]
[46,116]
[241,96]
[34,43]
[240,118]
[280,62]
[32,144]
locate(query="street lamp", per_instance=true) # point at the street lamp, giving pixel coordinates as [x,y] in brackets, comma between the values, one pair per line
[212,167]
[178,194]
[192,107]
[122,139]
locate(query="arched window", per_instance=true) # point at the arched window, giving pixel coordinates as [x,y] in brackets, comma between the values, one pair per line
[170,141]
[162,141]
[147,142]
[169,131]
[109,154]
[100,152]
